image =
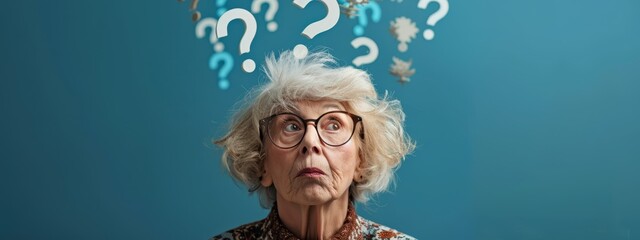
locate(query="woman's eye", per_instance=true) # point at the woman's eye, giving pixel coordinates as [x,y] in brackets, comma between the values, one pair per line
[291,127]
[334,126]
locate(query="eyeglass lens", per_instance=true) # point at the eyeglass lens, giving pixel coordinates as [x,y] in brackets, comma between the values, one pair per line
[334,128]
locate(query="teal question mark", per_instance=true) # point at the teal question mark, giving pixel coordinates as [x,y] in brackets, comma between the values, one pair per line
[358,30]
[221,9]
[216,58]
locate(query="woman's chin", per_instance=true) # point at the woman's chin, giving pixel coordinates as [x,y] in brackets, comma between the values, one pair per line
[313,195]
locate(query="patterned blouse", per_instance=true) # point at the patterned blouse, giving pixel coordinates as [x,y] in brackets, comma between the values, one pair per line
[354,227]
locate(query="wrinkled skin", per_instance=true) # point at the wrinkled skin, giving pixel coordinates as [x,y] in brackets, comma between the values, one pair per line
[312,207]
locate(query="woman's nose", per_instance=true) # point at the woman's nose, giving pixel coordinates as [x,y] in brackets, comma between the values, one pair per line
[311,140]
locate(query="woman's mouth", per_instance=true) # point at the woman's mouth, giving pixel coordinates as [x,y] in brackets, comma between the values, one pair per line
[310,172]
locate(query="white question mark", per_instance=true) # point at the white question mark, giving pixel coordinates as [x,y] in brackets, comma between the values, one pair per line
[247,37]
[333,15]
[373,50]
[213,39]
[434,18]
[271,12]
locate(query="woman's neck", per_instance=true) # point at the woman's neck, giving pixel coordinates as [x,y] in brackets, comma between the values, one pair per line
[313,221]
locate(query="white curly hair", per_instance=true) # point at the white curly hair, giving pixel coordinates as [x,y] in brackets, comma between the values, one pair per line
[382,144]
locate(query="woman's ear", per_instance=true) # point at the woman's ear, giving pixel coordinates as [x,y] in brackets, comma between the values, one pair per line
[265,179]
[357,174]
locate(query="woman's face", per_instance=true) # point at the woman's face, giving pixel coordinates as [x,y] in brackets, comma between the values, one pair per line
[311,173]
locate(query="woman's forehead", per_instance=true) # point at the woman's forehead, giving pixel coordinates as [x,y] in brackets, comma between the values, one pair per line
[319,106]
[310,108]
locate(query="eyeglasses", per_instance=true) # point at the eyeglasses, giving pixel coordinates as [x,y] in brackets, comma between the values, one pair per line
[286,130]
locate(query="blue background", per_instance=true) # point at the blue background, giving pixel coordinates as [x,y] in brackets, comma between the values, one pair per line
[525,114]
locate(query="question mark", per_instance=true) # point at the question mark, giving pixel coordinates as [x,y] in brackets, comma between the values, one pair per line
[271,12]
[220,4]
[194,6]
[247,37]
[333,15]
[223,82]
[373,50]
[434,18]
[213,39]
[358,30]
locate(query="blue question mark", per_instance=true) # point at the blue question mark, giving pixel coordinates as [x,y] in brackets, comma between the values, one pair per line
[358,30]
[221,9]
[223,82]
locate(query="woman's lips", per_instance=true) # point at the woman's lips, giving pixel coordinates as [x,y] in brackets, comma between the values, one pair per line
[310,172]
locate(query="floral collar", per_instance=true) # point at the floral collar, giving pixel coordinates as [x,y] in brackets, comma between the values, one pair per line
[274,227]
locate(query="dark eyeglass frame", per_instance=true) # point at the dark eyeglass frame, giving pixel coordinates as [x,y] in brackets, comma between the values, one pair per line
[265,122]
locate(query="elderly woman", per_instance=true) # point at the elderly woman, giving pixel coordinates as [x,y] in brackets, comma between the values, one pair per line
[311,142]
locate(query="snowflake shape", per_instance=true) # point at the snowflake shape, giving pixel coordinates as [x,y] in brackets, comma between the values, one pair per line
[404,30]
[402,70]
